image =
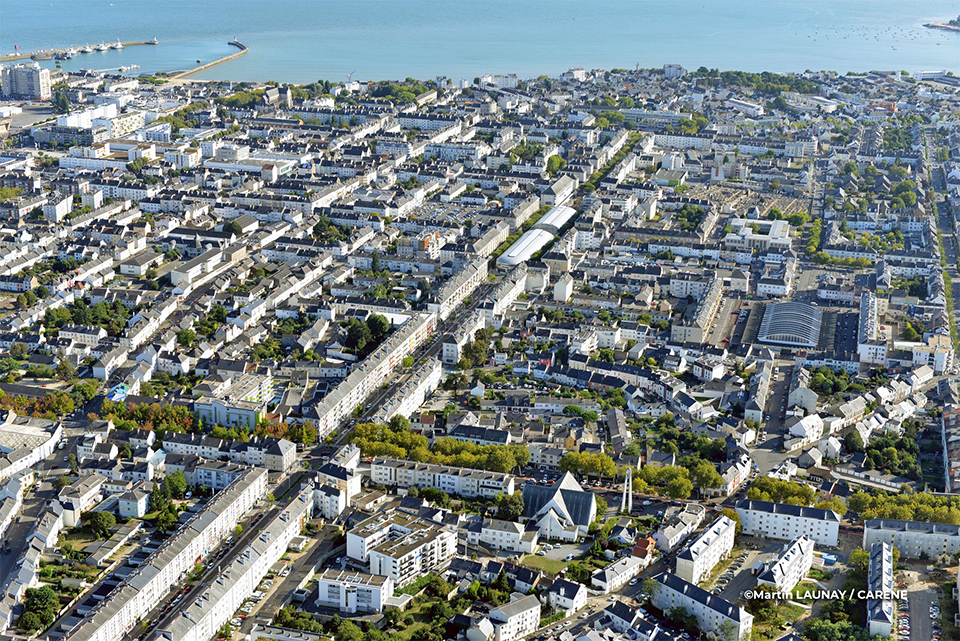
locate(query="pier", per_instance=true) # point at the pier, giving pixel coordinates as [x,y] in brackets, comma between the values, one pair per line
[183,74]
[48,54]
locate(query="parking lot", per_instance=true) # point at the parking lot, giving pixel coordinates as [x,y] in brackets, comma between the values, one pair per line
[919,615]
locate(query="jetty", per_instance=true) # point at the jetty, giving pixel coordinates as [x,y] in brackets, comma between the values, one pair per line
[49,54]
[239,45]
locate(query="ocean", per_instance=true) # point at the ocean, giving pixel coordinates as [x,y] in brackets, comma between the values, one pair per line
[306,40]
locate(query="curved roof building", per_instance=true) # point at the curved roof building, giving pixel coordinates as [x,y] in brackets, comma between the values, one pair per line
[526,246]
[555,218]
[791,323]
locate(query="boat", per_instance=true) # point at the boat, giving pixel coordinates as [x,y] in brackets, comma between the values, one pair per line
[198,60]
[154,41]
[87,49]
[102,47]
[119,45]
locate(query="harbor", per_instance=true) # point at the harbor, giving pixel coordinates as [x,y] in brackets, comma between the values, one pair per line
[70,52]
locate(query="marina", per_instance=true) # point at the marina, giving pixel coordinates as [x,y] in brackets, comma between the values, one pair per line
[71,52]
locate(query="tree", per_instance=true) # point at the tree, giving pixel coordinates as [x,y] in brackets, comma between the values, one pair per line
[407,362]
[510,506]
[348,631]
[734,516]
[166,521]
[159,498]
[62,482]
[650,588]
[705,475]
[19,351]
[61,103]
[29,622]
[186,337]
[232,227]
[853,441]
[679,488]
[100,523]
[859,560]
[176,483]
[66,370]
[72,462]
[44,603]
[378,325]
[237,531]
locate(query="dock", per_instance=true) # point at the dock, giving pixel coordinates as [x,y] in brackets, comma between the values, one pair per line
[48,54]
[183,74]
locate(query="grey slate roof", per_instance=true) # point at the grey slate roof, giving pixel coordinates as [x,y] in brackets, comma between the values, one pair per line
[790,510]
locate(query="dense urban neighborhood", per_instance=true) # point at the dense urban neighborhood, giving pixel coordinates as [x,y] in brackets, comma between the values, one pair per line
[629,355]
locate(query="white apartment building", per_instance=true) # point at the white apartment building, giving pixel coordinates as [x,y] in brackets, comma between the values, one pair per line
[29,81]
[711,547]
[452,480]
[401,545]
[458,288]
[788,522]
[516,619]
[150,583]
[353,592]
[223,595]
[789,569]
[880,616]
[713,614]
[375,369]
[616,575]
[406,400]
[497,534]
[914,539]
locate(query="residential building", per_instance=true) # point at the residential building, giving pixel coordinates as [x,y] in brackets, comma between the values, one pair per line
[353,592]
[790,567]
[788,522]
[712,546]
[712,613]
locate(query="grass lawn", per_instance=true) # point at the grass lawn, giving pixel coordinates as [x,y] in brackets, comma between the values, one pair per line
[544,564]
[802,588]
[78,537]
[769,630]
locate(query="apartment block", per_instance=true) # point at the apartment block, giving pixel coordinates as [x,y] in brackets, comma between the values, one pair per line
[452,480]
[369,376]
[401,546]
[790,567]
[788,522]
[221,597]
[353,592]
[711,547]
[712,613]
[497,534]
[516,619]
[150,583]
[914,539]
[880,616]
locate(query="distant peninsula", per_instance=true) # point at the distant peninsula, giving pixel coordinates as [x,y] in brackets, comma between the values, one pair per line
[953,25]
